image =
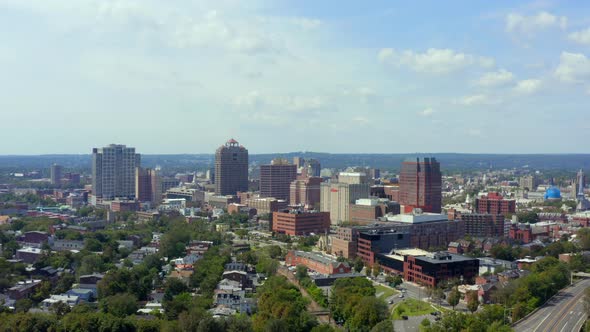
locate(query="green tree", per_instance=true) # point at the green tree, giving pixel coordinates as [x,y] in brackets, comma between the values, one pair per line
[472,301]
[120,305]
[383,326]
[358,264]
[454,297]
[369,311]
[301,272]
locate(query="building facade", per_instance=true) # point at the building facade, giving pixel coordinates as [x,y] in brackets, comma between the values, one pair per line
[56,174]
[494,203]
[316,262]
[148,186]
[336,198]
[276,178]
[305,192]
[483,224]
[421,185]
[113,171]
[231,168]
[297,223]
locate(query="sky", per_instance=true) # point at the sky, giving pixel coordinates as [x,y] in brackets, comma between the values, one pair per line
[184,76]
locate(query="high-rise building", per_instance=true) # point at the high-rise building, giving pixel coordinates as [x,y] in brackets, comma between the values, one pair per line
[483,225]
[113,171]
[420,185]
[337,197]
[56,174]
[306,192]
[528,182]
[494,203]
[231,168]
[312,167]
[276,178]
[148,185]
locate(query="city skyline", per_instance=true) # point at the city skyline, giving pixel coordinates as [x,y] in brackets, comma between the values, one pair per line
[452,77]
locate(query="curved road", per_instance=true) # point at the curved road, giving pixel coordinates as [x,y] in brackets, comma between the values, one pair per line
[564,312]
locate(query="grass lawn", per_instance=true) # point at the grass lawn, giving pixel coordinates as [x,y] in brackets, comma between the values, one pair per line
[384,292]
[411,307]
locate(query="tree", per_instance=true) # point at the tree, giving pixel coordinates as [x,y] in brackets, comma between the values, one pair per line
[368,312]
[437,294]
[454,297]
[173,287]
[383,326]
[300,272]
[472,301]
[376,270]
[120,305]
[358,264]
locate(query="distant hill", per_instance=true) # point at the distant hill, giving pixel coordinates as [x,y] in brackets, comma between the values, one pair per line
[449,161]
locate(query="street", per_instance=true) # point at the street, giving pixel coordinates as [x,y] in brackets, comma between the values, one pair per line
[564,312]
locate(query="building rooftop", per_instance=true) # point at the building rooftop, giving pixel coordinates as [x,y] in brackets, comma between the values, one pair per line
[314,256]
[415,218]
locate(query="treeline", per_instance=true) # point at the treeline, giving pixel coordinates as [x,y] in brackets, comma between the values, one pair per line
[353,304]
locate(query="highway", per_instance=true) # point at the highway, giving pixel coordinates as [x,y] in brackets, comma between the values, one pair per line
[563,313]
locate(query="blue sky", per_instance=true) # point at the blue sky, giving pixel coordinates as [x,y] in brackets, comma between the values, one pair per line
[182,76]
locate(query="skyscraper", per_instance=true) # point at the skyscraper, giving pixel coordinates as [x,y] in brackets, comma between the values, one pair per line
[148,185]
[421,185]
[113,171]
[336,198]
[276,178]
[231,168]
[56,174]
[312,167]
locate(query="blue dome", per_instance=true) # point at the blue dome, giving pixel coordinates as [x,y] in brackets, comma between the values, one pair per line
[553,193]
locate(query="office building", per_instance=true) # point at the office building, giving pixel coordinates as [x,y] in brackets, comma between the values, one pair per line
[483,225]
[429,269]
[265,205]
[312,167]
[368,210]
[276,178]
[231,168]
[420,185]
[113,171]
[528,182]
[56,174]
[306,193]
[494,203]
[336,198]
[300,223]
[148,186]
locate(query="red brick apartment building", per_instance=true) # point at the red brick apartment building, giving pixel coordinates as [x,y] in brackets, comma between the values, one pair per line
[296,222]
[494,203]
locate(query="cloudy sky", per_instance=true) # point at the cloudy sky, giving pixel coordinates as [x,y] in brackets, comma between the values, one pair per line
[182,76]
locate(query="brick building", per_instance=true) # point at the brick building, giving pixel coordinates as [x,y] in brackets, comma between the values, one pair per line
[305,192]
[483,224]
[368,210]
[344,243]
[495,204]
[429,269]
[296,222]
[316,262]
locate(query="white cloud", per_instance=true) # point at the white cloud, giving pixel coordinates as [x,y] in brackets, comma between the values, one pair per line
[278,103]
[426,112]
[528,25]
[306,23]
[496,78]
[435,61]
[474,100]
[474,132]
[527,86]
[573,67]
[580,37]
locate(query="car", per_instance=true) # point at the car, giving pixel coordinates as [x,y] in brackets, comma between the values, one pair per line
[437,318]
[390,302]
[405,317]
[435,313]
[401,295]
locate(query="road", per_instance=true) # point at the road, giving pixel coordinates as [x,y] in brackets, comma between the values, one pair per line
[563,313]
